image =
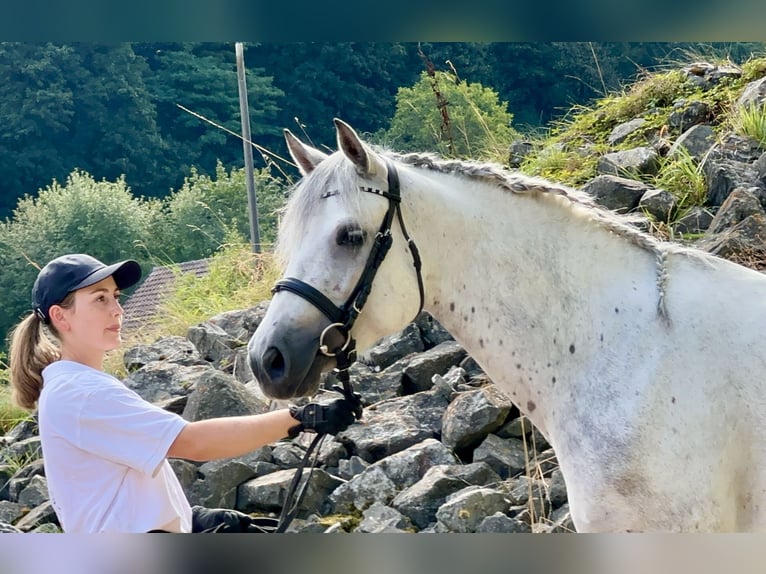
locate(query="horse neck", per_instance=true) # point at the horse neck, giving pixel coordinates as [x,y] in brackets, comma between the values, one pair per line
[522,282]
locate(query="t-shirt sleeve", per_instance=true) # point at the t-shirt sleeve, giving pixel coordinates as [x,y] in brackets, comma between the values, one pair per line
[117,424]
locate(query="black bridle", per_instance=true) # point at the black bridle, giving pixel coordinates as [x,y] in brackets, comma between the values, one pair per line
[342,318]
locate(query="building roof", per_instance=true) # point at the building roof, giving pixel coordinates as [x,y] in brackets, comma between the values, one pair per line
[141,306]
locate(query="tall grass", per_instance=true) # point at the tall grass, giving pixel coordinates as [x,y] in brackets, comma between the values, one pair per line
[10,415]
[682,175]
[750,121]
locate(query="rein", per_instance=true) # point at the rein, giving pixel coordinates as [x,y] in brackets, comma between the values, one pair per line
[343,317]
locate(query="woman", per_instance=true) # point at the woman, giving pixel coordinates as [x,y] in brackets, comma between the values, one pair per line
[106,449]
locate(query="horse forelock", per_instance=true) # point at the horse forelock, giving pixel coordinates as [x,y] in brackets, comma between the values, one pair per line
[336,176]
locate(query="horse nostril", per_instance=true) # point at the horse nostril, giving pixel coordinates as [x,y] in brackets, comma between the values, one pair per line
[274,363]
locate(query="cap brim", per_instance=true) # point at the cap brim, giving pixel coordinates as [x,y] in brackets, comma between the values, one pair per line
[125,273]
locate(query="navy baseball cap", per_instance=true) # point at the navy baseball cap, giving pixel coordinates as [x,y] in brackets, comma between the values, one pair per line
[75,271]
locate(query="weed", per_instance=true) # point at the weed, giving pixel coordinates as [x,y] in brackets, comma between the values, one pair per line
[750,121]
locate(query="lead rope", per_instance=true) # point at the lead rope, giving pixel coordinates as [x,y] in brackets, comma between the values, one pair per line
[344,357]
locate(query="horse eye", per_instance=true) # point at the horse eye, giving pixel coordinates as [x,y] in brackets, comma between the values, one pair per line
[353,236]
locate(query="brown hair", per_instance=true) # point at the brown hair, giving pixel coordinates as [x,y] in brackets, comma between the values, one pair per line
[30,352]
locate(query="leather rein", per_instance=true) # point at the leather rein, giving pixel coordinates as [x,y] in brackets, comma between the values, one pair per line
[343,317]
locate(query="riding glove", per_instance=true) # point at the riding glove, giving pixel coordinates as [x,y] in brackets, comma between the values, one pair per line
[329,418]
[226,520]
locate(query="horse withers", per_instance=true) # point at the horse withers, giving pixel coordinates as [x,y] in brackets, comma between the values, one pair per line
[641,362]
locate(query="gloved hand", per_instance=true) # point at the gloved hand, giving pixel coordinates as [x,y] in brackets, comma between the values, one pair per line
[226,520]
[329,418]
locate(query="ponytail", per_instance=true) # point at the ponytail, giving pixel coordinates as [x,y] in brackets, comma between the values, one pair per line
[31,351]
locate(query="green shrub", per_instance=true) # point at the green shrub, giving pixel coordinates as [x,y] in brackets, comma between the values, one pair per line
[467,121]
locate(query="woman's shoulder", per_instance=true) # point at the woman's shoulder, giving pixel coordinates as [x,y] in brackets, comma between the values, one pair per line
[70,373]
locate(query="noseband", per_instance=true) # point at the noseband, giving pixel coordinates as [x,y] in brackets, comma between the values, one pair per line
[343,317]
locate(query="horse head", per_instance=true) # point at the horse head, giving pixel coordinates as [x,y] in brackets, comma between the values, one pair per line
[326,237]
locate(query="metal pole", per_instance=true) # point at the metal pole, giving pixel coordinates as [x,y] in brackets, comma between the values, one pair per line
[255,238]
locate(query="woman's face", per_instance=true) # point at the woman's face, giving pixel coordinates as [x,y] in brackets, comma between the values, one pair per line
[93,322]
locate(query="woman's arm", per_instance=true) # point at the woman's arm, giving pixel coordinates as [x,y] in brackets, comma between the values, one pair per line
[226,437]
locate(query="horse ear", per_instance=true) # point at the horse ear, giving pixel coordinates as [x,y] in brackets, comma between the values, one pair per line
[366,162]
[305,157]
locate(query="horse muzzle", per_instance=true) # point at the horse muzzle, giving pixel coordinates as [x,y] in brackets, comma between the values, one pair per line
[289,366]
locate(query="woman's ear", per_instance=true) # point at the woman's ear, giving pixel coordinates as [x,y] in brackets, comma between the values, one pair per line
[58,318]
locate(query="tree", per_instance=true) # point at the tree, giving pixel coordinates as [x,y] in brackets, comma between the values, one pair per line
[36,112]
[449,116]
[207,212]
[354,81]
[202,77]
[75,106]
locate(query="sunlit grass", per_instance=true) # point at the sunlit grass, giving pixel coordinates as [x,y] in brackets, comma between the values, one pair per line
[750,121]
[10,415]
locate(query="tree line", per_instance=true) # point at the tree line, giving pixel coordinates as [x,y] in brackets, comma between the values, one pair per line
[114,109]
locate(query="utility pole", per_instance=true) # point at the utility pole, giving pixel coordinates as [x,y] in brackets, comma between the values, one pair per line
[244,110]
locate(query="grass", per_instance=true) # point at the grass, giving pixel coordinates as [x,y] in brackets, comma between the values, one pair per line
[750,121]
[10,415]
[16,463]
[682,175]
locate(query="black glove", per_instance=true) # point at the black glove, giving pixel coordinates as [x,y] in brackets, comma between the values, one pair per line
[226,520]
[330,418]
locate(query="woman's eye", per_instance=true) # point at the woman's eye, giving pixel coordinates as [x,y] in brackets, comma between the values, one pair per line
[353,236]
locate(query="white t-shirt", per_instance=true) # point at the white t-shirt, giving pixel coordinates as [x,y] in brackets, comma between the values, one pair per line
[104,451]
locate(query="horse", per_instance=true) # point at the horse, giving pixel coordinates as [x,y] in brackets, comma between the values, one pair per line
[641,361]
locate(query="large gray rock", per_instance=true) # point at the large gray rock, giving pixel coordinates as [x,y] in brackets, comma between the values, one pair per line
[640,160]
[162,380]
[622,131]
[393,425]
[171,349]
[218,480]
[381,518]
[381,481]
[418,373]
[615,192]
[420,501]
[390,349]
[507,457]
[696,141]
[473,415]
[268,493]
[724,176]
[754,95]
[466,509]
[217,394]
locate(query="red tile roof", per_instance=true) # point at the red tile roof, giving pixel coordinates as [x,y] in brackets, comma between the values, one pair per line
[141,306]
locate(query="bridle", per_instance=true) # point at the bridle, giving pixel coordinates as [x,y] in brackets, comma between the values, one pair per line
[342,318]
